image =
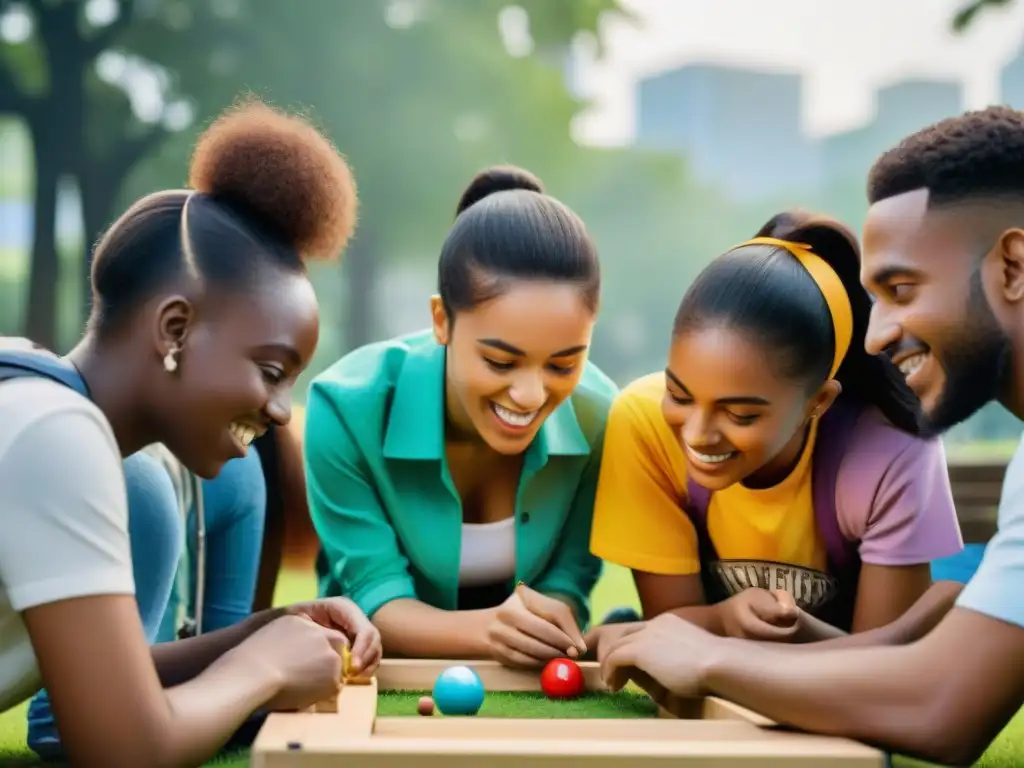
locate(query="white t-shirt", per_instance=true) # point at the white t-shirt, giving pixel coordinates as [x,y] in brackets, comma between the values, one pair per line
[997,588]
[63,516]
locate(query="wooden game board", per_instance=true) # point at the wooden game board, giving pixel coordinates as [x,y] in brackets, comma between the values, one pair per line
[706,732]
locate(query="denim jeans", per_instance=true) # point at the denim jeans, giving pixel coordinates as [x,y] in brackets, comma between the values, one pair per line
[235,504]
[234,507]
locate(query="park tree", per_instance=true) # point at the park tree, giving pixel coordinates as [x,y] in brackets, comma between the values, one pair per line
[972,9]
[417,93]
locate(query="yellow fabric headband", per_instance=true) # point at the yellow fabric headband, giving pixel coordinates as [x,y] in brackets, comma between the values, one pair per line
[831,288]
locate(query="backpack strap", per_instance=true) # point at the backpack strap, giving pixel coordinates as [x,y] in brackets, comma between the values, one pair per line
[19,364]
[834,434]
[698,500]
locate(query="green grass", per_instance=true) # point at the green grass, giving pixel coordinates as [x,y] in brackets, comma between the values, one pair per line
[614,589]
[531,705]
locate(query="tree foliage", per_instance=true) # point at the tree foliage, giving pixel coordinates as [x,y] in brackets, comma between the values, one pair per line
[417,93]
[970,12]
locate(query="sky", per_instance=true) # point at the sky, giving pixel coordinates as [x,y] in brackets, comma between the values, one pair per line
[845,48]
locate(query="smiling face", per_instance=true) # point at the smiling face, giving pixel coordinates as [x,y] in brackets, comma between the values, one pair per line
[241,355]
[735,419]
[932,314]
[512,360]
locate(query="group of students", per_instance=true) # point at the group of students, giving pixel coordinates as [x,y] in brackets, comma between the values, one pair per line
[779,491]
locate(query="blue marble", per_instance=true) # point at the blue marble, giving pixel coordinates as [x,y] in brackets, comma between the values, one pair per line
[458,691]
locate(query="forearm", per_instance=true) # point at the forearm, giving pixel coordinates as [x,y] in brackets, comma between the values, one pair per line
[181,660]
[871,638]
[708,617]
[414,629]
[814,630]
[563,597]
[922,617]
[883,699]
[205,711]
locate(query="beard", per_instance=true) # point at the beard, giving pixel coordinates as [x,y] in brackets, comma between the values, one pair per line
[976,365]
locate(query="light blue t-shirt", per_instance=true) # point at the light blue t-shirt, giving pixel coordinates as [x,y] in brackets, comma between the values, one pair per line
[996,589]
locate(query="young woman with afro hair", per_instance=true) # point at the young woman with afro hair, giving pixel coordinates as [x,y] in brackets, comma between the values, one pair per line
[203,317]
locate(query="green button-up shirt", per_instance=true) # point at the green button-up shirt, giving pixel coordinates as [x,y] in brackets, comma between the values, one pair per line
[382,499]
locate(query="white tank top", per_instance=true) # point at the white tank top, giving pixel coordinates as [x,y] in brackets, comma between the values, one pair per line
[488,553]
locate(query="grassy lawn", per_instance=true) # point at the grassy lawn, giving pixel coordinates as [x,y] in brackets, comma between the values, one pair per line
[615,589]
[532,705]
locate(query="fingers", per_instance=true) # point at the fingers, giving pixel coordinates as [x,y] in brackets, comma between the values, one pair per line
[618,668]
[755,628]
[556,612]
[539,628]
[346,615]
[511,657]
[613,634]
[343,614]
[365,647]
[592,639]
[773,609]
[787,606]
[338,641]
[514,638]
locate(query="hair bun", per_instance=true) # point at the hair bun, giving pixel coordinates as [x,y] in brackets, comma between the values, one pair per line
[281,170]
[823,234]
[498,178]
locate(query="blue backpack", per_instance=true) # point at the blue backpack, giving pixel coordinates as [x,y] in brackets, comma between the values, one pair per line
[19,364]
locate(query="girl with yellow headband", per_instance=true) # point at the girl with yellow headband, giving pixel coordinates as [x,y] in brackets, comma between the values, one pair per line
[771,483]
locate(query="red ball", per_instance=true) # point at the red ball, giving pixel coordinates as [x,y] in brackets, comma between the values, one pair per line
[562,679]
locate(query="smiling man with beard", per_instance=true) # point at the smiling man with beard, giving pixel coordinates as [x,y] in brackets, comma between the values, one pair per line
[944,257]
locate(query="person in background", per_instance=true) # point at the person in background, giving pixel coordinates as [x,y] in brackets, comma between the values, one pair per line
[451,472]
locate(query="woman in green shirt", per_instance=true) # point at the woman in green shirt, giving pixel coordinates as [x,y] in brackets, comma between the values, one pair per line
[447,466]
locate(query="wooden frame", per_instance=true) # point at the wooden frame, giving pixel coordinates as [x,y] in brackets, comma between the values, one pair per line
[977,489]
[710,732]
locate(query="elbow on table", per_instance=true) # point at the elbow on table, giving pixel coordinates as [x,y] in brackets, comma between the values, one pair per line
[146,746]
[943,737]
[954,747]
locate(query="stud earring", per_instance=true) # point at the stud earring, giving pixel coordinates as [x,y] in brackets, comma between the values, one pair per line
[171,360]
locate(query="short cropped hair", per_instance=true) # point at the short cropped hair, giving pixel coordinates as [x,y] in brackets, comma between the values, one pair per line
[979,154]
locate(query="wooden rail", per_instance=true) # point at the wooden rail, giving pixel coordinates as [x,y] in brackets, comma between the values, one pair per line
[976,491]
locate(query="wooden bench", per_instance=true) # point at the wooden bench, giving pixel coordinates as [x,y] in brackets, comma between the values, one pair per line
[976,491]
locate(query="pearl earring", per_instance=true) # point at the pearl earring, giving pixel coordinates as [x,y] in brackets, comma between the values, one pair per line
[171,360]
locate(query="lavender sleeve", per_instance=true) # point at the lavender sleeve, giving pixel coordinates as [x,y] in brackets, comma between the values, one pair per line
[893,496]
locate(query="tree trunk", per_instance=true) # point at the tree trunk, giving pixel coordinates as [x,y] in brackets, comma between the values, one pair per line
[57,129]
[99,194]
[41,322]
[360,274]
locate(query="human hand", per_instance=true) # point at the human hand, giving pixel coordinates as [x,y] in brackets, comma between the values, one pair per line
[529,629]
[760,614]
[667,657]
[343,615]
[302,656]
[601,638]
